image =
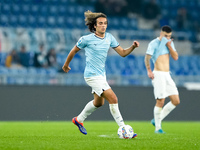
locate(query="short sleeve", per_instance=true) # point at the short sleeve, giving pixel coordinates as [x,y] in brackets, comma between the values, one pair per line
[114,42]
[150,49]
[81,43]
[172,44]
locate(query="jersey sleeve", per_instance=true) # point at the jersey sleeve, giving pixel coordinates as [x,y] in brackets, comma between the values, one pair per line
[172,44]
[114,42]
[150,49]
[81,43]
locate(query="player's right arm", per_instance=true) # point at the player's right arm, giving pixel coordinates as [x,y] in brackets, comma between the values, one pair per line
[70,56]
[173,53]
[148,67]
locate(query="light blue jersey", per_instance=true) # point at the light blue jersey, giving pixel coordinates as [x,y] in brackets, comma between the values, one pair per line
[157,48]
[96,50]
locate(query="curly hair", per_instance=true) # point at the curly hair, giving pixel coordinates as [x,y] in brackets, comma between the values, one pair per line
[90,19]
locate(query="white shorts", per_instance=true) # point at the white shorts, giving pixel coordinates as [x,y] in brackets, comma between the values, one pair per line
[163,85]
[98,84]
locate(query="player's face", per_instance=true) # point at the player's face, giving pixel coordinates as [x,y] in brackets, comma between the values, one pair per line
[101,25]
[167,35]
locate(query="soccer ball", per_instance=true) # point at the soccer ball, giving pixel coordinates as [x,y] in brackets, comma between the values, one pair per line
[125,132]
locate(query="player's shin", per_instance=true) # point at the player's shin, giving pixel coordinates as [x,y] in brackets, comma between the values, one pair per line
[114,109]
[157,117]
[89,108]
[166,110]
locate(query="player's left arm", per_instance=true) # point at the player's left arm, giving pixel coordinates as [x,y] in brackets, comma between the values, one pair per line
[173,53]
[124,52]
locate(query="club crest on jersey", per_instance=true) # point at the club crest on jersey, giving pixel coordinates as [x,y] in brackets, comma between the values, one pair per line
[107,41]
[80,41]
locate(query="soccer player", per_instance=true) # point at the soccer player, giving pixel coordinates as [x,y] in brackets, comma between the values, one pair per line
[159,50]
[96,47]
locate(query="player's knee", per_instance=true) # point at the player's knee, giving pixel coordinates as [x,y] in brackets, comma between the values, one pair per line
[176,102]
[113,100]
[160,103]
[99,104]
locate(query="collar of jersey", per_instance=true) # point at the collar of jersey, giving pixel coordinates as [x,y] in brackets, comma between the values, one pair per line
[99,37]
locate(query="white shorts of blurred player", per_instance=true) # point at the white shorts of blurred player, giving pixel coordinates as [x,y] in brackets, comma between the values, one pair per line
[98,84]
[163,85]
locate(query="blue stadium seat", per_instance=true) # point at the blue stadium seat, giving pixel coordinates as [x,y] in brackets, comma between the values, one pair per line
[133,23]
[164,20]
[60,59]
[41,21]
[34,9]
[3,70]
[114,23]
[124,23]
[62,11]
[195,14]
[192,4]
[71,10]
[164,3]
[51,71]
[111,65]
[140,62]
[174,66]
[44,11]
[5,9]
[60,23]
[13,21]
[183,3]
[23,71]
[79,23]
[80,10]
[15,9]
[70,22]
[4,20]
[172,12]
[32,21]
[32,70]
[53,9]
[122,35]
[41,71]
[64,2]
[13,71]
[144,34]
[25,10]
[173,3]
[76,64]
[22,22]
[51,21]
[127,71]
[3,56]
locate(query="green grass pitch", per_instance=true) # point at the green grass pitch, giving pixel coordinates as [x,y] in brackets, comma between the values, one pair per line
[102,135]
